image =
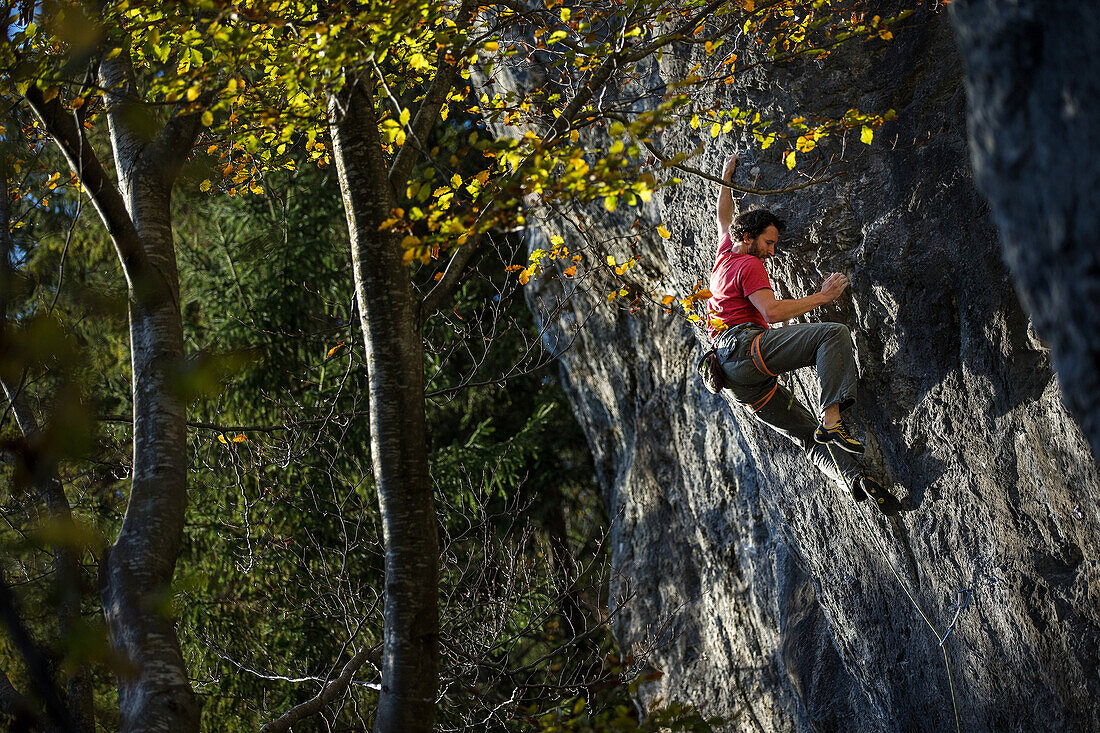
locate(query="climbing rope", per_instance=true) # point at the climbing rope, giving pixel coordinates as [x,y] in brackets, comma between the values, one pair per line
[963,598]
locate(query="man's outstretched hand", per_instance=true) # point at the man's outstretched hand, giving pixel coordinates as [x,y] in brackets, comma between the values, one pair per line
[730,166]
[833,286]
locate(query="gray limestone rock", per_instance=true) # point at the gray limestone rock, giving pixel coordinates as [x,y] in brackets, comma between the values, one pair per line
[753,583]
[1034,93]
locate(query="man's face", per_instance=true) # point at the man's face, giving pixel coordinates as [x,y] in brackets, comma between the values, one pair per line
[764,245]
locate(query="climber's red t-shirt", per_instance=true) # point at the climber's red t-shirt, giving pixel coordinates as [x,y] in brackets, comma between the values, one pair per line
[734,278]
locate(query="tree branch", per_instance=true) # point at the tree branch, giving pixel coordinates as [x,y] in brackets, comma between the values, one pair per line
[37,665]
[329,692]
[452,278]
[15,705]
[246,428]
[92,176]
[711,177]
[434,100]
[170,149]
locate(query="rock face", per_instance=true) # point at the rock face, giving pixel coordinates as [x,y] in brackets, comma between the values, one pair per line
[1034,93]
[752,582]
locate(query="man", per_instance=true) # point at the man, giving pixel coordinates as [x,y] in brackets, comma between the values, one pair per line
[752,354]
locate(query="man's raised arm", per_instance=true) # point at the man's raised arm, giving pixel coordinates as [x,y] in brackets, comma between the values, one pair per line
[725,199]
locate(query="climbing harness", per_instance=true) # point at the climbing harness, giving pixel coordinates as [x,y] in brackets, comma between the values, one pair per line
[963,597]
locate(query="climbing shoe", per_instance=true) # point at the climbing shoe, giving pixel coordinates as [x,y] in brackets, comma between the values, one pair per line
[887,503]
[838,435]
[858,494]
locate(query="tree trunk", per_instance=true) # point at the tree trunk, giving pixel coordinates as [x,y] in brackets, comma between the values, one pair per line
[66,562]
[46,482]
[136,571]
[395,358]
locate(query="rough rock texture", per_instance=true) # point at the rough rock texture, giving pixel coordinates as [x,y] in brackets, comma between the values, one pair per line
[1034,100]
[751,581]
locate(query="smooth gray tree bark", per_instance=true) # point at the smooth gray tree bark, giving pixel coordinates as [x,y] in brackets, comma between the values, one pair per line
[395,357]
[136,570]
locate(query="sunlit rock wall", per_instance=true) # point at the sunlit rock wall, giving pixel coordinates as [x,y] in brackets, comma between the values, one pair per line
[744,576]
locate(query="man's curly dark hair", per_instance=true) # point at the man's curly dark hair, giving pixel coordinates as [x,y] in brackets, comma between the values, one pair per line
[753,223]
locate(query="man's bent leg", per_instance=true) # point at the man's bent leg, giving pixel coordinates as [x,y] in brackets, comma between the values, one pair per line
[789,417]
[828,346]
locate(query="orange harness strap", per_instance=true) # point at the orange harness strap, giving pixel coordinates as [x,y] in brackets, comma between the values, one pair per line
[757,357]
[759,404]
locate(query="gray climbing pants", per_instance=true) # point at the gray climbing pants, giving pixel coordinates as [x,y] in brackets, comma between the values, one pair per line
[753,358]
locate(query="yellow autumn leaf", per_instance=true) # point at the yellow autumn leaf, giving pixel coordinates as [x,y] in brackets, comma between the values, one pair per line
[695,122]
[557,239]
[238,438]
[610,260]
[788,159]
[570,271]
[866,135]
[333,350]
[205,186]
[491,46]
[207,118]
[663,231]
[715,129]
[456,180]
[610,202]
